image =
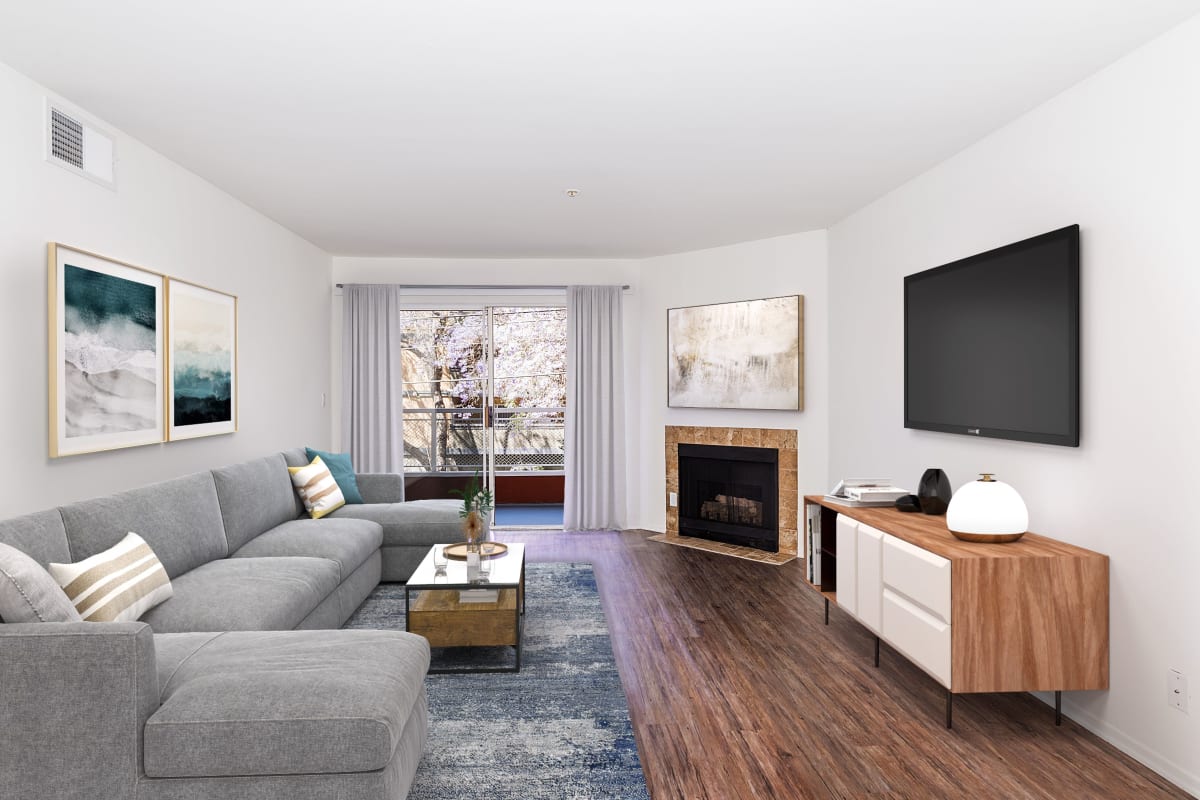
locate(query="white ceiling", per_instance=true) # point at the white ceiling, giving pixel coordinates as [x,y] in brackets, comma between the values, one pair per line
[454,127]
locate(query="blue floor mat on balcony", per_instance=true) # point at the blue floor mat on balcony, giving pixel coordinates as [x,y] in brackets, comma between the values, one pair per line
[520,516]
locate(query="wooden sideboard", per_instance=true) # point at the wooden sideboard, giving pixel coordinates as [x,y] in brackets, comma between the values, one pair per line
[1024,616]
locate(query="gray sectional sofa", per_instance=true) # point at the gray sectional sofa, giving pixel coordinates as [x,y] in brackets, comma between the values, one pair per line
[240,685]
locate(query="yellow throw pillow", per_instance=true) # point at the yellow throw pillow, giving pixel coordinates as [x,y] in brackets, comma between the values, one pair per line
[118,585]
[317,488]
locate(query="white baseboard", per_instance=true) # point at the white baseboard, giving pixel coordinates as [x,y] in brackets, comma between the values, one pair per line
[1180,776]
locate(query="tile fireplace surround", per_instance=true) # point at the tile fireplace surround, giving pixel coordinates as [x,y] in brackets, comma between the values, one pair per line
[782,440]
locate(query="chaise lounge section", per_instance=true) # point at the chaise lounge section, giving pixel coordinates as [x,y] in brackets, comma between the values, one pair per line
[410,527]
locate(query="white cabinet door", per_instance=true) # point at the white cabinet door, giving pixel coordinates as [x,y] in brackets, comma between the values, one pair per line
[919,575]
[919,635]
[847,564]
[870,577]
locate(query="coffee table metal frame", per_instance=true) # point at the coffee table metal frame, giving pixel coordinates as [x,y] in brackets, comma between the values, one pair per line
[518,609]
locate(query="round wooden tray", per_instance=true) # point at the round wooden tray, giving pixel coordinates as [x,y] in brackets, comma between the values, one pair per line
[458,552]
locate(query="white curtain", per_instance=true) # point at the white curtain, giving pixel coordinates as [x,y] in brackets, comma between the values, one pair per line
[595,431]
[372,389]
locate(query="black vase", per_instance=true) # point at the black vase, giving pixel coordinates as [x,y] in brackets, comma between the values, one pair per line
[934,491]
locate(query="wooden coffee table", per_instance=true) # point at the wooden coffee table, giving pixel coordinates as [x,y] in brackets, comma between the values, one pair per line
[439,614]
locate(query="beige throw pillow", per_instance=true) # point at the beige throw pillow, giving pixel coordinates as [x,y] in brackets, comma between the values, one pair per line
[317,488]
[118,585]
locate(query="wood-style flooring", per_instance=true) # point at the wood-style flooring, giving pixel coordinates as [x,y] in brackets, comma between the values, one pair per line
[738,690]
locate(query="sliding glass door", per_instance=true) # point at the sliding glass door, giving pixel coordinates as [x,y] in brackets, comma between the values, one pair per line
[485,392]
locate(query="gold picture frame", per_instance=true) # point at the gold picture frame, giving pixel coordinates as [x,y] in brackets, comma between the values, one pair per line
[105,351]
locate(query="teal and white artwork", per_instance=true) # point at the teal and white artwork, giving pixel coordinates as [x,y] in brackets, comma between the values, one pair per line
[107,337]
[203,361]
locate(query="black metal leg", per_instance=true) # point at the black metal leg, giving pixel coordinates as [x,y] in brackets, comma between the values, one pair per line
[1058,708]
[877,651]
[519,617]
[517,627]
[949,708]
[407,604]
[826,610]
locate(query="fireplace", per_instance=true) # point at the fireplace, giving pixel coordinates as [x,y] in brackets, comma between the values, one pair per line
[730,494]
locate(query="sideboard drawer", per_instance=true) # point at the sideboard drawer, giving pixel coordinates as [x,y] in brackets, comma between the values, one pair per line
[918,575]
[916,633]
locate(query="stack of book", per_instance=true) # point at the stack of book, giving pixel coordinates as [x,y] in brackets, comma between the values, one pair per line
[812,555]
[863,492]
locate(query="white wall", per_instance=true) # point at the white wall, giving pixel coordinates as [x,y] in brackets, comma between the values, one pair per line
[1120,155]
[163,218]
[783,265]
[503,272]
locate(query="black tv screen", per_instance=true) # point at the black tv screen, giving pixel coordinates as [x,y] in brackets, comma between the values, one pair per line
[991,343]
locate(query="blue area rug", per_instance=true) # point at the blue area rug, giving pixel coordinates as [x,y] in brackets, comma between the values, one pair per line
[557,729]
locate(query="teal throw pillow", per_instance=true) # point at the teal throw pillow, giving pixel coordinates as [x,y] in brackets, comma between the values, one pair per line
[342,471]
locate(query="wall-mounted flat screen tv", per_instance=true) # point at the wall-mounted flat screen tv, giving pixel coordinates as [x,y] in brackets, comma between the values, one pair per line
[991,343]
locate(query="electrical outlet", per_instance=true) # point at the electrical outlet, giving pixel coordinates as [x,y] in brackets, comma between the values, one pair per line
[1177,690]
[674,500]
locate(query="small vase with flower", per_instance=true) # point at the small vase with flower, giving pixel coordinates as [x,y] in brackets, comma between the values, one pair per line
[478,502]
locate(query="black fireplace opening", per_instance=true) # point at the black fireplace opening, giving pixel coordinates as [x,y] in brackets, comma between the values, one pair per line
[730,494]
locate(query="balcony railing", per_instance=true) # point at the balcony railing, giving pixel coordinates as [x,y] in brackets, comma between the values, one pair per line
[438,440]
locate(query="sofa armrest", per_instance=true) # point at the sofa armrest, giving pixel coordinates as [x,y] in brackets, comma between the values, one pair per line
[380,487]
[76,696]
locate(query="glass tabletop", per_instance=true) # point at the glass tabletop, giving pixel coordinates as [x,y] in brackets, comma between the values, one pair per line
[503,570]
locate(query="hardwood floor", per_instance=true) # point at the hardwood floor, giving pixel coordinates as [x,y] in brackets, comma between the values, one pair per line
[738,690]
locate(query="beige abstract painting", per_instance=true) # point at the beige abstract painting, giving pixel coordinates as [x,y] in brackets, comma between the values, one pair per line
[746,354]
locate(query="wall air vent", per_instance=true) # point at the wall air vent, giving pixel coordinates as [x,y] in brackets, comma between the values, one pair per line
[79,147]
[66,138]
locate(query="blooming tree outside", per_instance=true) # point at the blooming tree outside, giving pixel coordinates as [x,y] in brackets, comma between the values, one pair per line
[445,373]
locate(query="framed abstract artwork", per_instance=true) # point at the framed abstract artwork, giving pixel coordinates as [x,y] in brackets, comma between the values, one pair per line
[201,362]
[105,351]
[746,354]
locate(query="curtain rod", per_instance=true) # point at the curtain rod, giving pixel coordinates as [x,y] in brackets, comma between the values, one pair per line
[473,286]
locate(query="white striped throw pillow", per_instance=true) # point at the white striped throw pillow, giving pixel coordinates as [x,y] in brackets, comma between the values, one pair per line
[118,585]
[317,488]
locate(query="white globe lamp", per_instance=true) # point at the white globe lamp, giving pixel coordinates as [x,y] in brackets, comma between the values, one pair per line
[987,510]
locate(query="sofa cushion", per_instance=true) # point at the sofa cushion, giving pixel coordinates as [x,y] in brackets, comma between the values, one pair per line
[349,542]
[239,594]
[180,519]
[286,703]
[342,469]
[255,497]
[380,487]
[416,522]
[28,593]
[40,536]
[118,585]
[296,457]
